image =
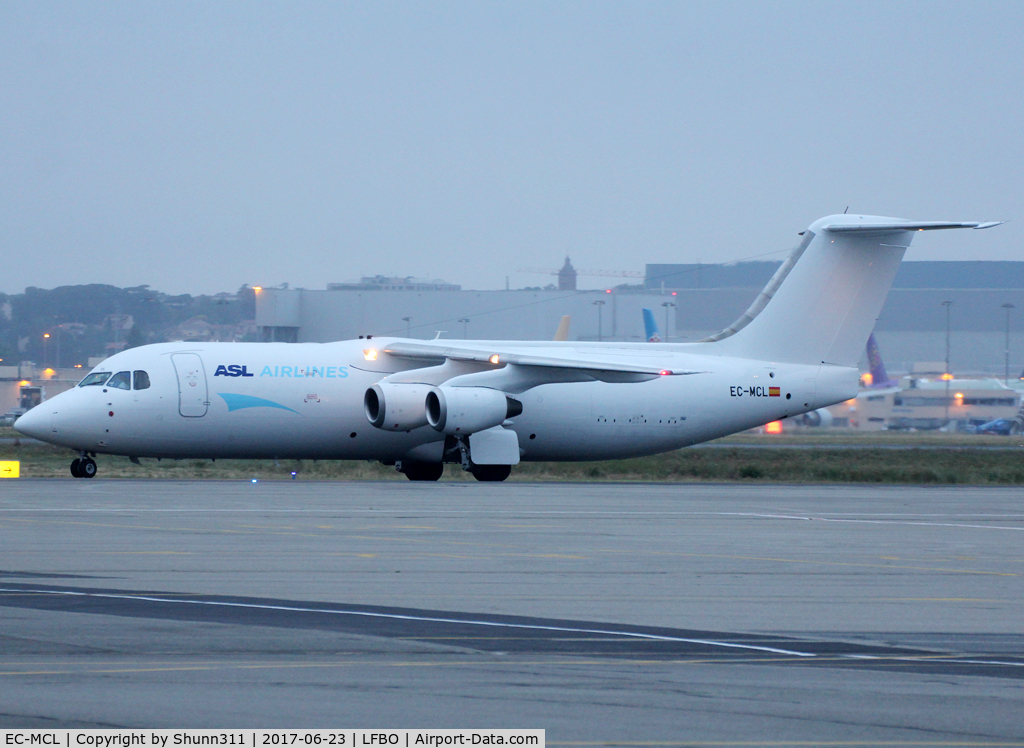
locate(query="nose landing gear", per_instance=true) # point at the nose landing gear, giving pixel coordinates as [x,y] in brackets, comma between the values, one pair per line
[83,467]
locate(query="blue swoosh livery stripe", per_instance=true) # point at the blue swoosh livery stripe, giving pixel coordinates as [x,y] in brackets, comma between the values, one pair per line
[237,402]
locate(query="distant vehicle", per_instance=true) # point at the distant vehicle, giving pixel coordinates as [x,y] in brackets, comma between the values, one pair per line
[998,427]
[486,405]
[29,396]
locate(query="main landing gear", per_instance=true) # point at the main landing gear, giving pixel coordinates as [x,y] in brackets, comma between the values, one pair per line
[420,470]
[83,467]
[434,470]
[456,450]
[491,472]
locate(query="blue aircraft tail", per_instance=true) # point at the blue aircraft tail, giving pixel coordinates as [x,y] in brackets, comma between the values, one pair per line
[651,327]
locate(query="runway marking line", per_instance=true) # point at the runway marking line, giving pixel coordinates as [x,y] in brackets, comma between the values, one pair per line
[940,600]
[144,553]
[426,619]
[491,661]
[873,521]
[256,531]
[812,561]
[608,551]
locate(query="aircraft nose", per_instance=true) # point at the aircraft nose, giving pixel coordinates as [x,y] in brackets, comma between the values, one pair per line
[34,423]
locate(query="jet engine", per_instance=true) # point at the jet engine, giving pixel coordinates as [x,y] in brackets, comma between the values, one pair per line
[819,417]
[396,407]
[466,410]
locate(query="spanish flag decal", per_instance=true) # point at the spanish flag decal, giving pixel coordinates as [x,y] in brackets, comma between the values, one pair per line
[773,392]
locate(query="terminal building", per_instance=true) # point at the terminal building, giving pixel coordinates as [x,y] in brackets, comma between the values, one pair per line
[26,385]
[986,299]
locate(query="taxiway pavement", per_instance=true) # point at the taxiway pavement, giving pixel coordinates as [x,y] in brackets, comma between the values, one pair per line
[626,613]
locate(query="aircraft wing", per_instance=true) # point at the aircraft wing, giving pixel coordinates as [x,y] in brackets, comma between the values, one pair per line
[503,367]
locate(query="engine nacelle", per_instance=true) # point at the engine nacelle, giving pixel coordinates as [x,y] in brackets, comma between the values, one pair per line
[819,417]
[466,410]
[396,407]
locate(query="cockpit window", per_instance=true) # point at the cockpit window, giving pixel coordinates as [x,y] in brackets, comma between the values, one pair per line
[141,380]
[97,377]
[121,381]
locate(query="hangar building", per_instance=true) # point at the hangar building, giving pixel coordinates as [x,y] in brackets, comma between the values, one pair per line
[689,302]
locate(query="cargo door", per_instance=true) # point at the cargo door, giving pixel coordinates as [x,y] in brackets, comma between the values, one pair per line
[193,398]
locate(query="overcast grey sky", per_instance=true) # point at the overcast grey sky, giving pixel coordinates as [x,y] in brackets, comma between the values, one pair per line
[199,146]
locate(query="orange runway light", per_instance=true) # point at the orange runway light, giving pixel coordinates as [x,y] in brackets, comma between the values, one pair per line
[775,427]
[946,377]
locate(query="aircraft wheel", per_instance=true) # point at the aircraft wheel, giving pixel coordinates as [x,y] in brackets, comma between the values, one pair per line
[423,470]
[76,468]
[491,472]
[87,468]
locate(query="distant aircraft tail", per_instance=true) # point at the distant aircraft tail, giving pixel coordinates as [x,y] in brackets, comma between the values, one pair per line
[821,305]
[562,333]
[651,327]
[879,377]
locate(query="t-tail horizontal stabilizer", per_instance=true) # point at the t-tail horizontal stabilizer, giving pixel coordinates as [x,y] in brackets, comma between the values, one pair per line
[821,305]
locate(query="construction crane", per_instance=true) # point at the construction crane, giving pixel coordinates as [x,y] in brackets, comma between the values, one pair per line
[599,273]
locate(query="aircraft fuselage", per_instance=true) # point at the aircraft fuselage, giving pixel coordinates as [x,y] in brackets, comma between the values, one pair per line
[305,401]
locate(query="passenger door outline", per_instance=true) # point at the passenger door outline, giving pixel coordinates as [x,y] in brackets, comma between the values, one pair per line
[193,396]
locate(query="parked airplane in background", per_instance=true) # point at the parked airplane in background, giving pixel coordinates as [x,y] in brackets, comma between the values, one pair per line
[822,417]
[489,404]
[651,327]
[562,333]
[879,377]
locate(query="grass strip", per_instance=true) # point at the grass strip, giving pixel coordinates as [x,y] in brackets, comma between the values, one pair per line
[733,463]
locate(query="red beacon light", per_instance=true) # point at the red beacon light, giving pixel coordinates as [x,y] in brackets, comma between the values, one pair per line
[666,372]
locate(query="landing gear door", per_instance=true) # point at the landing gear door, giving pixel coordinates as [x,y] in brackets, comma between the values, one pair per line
[193,398]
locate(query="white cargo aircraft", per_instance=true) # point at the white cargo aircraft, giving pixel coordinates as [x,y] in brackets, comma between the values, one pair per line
[485,404]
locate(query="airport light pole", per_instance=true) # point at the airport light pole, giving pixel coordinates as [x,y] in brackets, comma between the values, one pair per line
[666,304]
[599,303]
[1006,374]
[465,327]
[946,375]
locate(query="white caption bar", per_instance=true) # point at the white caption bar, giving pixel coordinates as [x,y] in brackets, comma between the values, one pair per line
[269,738]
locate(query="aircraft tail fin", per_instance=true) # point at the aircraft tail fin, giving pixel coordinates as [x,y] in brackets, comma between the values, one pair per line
[879,377]
[562,333]
[822,303]
[651,327]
